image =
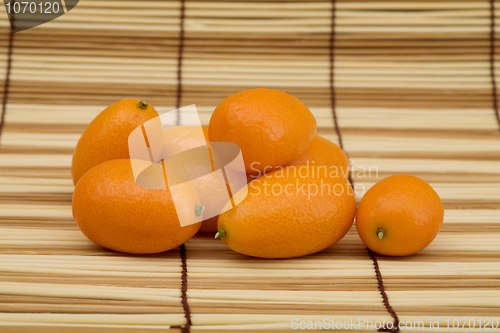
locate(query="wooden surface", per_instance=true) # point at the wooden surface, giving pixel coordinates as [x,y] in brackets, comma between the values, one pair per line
[413,92]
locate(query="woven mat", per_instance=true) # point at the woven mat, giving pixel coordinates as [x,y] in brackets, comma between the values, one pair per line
[403,86]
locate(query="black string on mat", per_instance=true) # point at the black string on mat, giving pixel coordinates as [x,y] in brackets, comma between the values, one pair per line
[333,98]
[385,298]
[378,274]
[180,54]
[184,280]
[7,75]
[184,300]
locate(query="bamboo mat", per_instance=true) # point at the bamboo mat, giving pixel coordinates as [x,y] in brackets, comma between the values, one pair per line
[404,86]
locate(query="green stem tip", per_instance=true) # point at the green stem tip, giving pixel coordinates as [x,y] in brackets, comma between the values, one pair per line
[381,233]
[143,105]
[220,234]
[198,210]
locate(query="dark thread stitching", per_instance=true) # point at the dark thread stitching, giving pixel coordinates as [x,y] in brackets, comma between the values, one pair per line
[333,99]
[184,282]
[7,76]
[380,281]
[381,288]
[179,61]
[492,62]
[184,287]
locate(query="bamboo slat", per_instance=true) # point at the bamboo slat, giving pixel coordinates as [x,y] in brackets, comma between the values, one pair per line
[413,92]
